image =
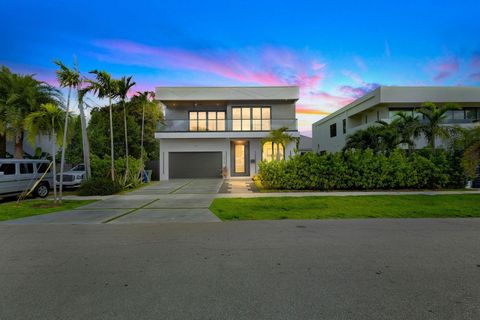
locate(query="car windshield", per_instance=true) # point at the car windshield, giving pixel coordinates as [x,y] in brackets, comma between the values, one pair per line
[80,167]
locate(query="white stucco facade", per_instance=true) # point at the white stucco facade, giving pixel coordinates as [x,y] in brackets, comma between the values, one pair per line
[176,137]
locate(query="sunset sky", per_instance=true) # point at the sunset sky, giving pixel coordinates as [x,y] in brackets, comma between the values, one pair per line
[334,50]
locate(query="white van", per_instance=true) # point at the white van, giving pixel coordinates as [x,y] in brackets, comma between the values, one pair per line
[17,175]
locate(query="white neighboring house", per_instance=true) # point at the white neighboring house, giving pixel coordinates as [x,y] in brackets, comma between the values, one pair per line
[210,131]
[331,132]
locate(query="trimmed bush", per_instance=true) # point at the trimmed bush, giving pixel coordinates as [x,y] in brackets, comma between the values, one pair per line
[99,186]
[364,170]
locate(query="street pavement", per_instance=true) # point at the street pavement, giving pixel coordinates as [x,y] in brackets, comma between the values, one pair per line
[326,269]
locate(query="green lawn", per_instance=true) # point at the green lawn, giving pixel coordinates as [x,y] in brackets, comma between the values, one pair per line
[10,210]
[347,207]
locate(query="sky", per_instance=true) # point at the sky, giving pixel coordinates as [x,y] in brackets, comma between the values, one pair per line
[335,51]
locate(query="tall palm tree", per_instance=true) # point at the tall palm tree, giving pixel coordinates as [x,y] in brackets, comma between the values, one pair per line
[81,92]
[279,137]
[105,87]
[47,121]
[124,84]
[144,99]
[68,78]
[21,95]
[434,116]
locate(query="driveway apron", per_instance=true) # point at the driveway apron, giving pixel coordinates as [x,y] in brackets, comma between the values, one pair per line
[182,200]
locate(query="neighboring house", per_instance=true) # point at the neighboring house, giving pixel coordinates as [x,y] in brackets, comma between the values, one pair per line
[331,132]
[213,131]
[304,144]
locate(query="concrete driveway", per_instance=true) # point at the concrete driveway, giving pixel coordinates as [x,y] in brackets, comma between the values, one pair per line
[185,200]
[329,269]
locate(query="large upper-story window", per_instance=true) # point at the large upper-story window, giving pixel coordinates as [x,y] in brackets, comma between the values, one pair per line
[207,121]
[251,119]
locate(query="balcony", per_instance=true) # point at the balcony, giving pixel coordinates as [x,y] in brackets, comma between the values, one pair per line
[227,125]
[181,129]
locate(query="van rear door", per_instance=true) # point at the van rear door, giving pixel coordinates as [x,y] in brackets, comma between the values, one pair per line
[8,178]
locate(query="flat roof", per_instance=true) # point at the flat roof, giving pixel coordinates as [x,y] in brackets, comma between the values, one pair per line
[412,94]
[226,93]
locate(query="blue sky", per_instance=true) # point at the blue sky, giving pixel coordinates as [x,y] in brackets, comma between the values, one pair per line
[334,50]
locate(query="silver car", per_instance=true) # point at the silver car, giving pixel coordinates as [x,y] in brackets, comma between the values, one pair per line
[18,175]
[74,177]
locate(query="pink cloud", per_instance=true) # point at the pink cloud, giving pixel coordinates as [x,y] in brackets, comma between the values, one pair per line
[270,66]
[360,63]
[474,76]
[445,68]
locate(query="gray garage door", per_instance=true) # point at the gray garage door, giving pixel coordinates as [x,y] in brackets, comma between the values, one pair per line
[195,165]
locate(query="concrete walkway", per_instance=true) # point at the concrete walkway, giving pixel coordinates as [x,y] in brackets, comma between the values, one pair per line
[167,201]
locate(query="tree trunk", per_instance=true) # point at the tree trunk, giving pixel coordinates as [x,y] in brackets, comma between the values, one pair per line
[64,143]
[85,144]
[3,146]
[112,170]
[18,151]
[126,139]
[141,143]
[54,166]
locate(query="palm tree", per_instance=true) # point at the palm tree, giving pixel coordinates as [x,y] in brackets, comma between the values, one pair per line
[21,95]
[123,86]
[144,99]
[408,126]
[105,87]
[368,138]
[47,121]
[434,116]
[83,124]
[279,137]
[67,78]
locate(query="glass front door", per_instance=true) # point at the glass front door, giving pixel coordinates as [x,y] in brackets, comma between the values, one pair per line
[240,159]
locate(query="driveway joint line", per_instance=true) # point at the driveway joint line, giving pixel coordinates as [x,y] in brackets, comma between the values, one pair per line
[129,212]
[183,185]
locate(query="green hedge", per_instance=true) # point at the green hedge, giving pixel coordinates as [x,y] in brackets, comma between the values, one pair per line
[99,186]
[364,170]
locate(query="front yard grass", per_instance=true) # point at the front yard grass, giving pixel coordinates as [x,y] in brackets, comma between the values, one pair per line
[10,210]
[347,207]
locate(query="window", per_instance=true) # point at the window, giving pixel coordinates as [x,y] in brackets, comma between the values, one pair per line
[207,121]
[26,168]
[344,125]
[42,167]
[366,118]
[7,168]
[270,151]
[333,130]
[472,113]
[378,115]
[251,119]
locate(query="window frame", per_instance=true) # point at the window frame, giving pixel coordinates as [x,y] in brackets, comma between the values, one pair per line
[333,130]
[207,120]
[252,120]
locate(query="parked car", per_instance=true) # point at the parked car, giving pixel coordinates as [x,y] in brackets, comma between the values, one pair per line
[74,177]
[18,175]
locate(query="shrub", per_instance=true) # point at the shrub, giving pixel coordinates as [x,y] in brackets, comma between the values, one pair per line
[99,186]
[101,169]
[364,170]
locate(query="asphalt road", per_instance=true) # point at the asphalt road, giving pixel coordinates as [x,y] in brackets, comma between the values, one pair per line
[349,269]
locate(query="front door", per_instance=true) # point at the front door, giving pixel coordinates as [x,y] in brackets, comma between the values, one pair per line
[240,159]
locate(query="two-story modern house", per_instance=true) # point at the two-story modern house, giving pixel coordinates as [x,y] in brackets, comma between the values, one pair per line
[383,103]
[210,132]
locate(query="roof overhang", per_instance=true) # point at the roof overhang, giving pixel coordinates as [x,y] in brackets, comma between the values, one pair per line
[178,94]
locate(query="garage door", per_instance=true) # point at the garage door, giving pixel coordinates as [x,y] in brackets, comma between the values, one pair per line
[195,165]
